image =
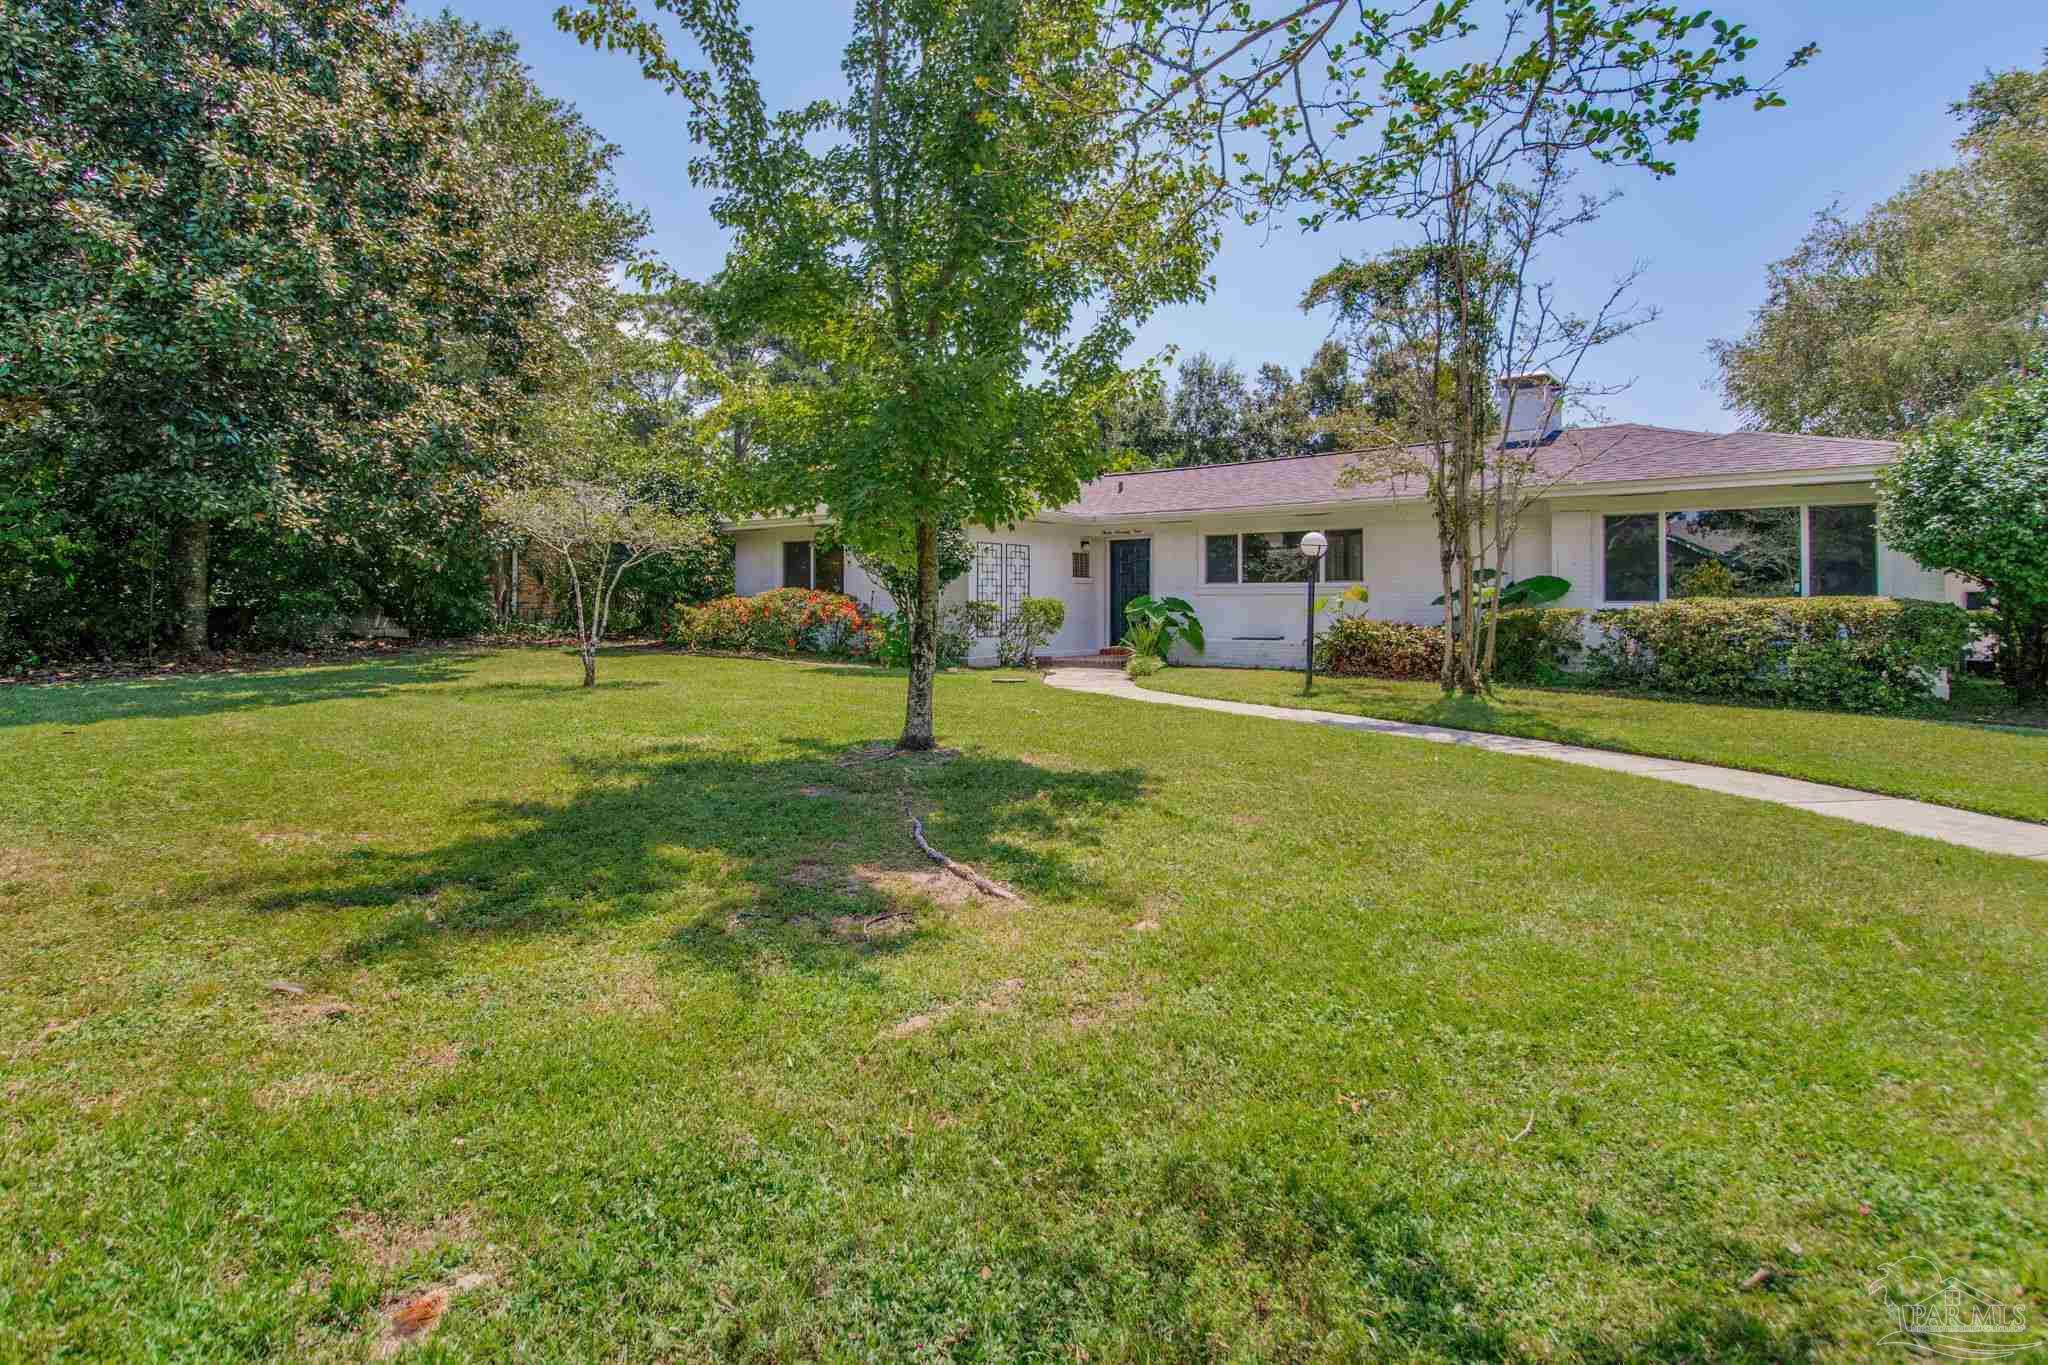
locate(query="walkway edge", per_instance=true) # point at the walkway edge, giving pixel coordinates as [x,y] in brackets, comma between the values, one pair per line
[1986,833]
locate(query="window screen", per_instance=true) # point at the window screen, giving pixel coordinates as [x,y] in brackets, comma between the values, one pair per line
[796,564]
[1631,557]
[1843,543]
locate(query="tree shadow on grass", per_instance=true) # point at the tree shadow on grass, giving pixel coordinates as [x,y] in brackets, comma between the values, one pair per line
[88,703]
[795,857]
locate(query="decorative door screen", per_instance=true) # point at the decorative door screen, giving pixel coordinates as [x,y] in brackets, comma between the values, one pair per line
[1002,575]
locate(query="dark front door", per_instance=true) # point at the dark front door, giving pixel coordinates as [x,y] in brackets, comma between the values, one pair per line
[1130,575]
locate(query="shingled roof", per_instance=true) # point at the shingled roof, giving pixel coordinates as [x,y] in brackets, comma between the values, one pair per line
[1578,458]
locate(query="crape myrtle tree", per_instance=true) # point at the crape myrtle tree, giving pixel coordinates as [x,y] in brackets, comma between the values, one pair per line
[1466,120]
[1433,325]
[597,492]
[272,278]
[963,244]
[1970,497]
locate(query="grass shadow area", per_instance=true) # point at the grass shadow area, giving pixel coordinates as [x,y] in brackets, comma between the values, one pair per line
[805,856]
[207,694]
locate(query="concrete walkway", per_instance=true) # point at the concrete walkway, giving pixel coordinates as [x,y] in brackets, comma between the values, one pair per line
[1989,833]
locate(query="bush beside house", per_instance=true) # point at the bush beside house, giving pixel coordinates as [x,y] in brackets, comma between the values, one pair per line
[785,621]
[1532,644]
[1851,653]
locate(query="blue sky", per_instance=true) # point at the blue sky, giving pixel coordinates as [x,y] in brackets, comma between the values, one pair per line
[1869,112]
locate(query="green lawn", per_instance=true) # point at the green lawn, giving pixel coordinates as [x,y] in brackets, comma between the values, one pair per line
[632,1015]
[2001,770]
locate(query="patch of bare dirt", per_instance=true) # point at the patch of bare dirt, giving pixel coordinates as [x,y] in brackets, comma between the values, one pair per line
[934,884]
[814,874]
[283,838]
[1103,1012]
[1145,926]
[413,1318]
[867,928]
[445,1057]
[390,1244]
[1002,997]
[916,1023]
[816,792]
[634,990]
[296,1008]
[293,1091]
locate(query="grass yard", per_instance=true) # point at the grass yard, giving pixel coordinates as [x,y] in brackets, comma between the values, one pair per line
[634,1026]
[2000,770]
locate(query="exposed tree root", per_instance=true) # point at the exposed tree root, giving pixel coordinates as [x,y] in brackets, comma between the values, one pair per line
[961,870]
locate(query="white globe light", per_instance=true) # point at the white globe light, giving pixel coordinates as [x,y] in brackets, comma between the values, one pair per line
[1314,543]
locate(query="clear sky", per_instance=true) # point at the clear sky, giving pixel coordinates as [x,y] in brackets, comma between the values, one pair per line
[1870,111]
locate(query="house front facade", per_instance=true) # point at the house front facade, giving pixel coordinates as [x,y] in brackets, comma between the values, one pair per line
[1626,513]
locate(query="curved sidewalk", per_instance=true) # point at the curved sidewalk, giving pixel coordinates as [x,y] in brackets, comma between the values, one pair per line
[1988,833]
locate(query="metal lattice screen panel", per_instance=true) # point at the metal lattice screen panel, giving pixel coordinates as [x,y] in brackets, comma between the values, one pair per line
[1002,575]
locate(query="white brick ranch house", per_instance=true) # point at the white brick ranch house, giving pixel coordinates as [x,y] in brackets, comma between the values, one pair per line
[1624,509]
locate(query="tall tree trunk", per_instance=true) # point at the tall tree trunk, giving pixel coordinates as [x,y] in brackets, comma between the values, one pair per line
[924,642]
[589,664]
[189,544]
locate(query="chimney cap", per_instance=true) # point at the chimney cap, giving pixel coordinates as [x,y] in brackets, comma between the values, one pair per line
[1532,380]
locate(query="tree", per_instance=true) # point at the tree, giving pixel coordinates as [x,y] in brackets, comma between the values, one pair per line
[596,534]
[931,240]
[1880,324]
[274,278]
[1433,326]
[1205,417]
[1472,150]
[1970,497]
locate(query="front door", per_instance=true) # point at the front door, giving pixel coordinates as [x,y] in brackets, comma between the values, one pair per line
[1130,575]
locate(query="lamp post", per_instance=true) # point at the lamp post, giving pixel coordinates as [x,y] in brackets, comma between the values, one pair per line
[1312,546]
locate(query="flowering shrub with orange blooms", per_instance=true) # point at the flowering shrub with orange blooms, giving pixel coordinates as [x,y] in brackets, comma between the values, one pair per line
[785,621]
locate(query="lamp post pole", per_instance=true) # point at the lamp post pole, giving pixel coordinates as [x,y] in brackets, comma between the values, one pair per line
[1312,546]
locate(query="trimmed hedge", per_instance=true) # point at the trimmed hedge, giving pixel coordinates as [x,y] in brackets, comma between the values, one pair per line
[1850,653]
[1531,644]
[784,621]
[1360,647]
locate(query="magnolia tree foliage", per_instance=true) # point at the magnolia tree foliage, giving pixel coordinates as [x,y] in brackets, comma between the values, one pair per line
[963,243]
[274,274]
[595,533]
[1970,497]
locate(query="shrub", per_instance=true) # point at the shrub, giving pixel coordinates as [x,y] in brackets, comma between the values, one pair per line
[785,621]
[1537,644]
[1855,653]
[1360,647]
[956,634]
[1035,621]
[1143,665]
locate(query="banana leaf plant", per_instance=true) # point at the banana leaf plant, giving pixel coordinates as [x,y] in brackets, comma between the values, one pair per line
[1154,623]
[1539,590]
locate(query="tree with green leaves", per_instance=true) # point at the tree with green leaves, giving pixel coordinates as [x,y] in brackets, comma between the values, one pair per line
[275,279]
[963,242]
[1970,497]
[1343,112]
[1878,324]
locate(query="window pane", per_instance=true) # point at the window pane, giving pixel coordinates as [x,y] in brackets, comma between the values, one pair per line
[1081,564]
[1271,557]
[796,564]
[1344,561]
[1843,542]
[1222,556]
[1631,558]
[832,570]
[1758,546]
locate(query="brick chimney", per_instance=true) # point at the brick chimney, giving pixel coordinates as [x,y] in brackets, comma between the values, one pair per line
[1533,404]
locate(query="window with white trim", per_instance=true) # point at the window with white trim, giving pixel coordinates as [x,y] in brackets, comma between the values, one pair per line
[1823,550]
[1275,557]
